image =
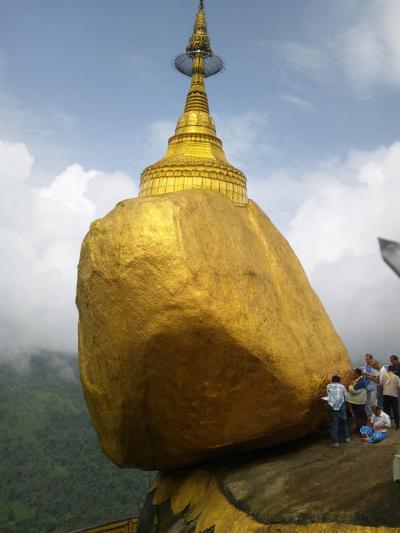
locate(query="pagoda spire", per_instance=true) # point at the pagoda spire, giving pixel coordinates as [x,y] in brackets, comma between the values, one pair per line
[195,158]
[199,42]
[198,49]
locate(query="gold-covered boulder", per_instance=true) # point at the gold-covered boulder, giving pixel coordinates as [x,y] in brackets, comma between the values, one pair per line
[199,333]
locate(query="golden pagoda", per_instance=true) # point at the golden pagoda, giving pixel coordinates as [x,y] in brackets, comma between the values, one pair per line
[200,337]
[193,312]
[195,158]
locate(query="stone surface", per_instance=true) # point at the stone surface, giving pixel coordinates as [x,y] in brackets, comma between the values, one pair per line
[199,333]
[301,487]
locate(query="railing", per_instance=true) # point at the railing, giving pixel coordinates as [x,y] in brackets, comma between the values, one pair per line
[123,525]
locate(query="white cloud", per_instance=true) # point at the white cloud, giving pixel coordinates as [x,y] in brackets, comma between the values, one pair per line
[350,202]
[365,52]
[159,133]
[370,49]
[296,101]
[303,57]
[335,214]
[41,230]
[63,118]
[244,136]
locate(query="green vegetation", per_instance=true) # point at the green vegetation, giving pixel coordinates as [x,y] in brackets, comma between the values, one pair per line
[53,475]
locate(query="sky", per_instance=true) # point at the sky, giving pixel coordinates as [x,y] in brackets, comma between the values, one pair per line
[308,107]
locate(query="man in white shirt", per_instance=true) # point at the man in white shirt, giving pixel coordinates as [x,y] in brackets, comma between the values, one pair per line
[391,393]
[380,424]
[382,371]
[337,397]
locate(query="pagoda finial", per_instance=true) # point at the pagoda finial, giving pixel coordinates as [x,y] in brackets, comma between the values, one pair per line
[199,43]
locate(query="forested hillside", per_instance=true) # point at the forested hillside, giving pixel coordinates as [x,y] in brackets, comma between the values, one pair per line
[53,476]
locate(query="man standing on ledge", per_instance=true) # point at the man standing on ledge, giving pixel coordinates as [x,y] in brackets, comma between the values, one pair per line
[391,393]
[394,361]
[371,385]
[337,398]
[381,369]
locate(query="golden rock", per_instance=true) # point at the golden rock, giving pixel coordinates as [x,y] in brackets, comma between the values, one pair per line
[199,333]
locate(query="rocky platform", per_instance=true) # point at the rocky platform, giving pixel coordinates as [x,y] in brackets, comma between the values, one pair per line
[303,486]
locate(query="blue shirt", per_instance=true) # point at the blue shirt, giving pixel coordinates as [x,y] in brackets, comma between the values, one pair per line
[369,384]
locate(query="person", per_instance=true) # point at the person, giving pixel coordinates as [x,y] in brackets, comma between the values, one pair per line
[337,397]
[391,393]
[357,398]
[370,383]
[381,369]
[380,424]
[394,361]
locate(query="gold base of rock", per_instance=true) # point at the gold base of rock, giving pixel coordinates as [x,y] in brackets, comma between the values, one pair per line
[199,333]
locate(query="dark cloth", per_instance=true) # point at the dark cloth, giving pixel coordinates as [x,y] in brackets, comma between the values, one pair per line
[397,369]
[360,415]
[379,397]
[339,421]
[391,403]
[397,372]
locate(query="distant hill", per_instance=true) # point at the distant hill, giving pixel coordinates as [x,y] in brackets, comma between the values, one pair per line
[53,475]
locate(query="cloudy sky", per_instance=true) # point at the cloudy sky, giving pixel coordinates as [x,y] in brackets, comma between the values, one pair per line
[308,107]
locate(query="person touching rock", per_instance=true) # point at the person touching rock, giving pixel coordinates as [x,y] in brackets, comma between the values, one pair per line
[337,397]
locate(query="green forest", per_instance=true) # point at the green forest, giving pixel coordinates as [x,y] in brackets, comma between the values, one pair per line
[53,475]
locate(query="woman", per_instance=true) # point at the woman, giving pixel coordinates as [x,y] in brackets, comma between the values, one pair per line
[357,398]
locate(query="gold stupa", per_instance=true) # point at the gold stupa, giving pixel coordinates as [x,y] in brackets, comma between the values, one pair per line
[195,158]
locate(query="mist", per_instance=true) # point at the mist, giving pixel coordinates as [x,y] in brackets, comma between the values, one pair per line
[41,230]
